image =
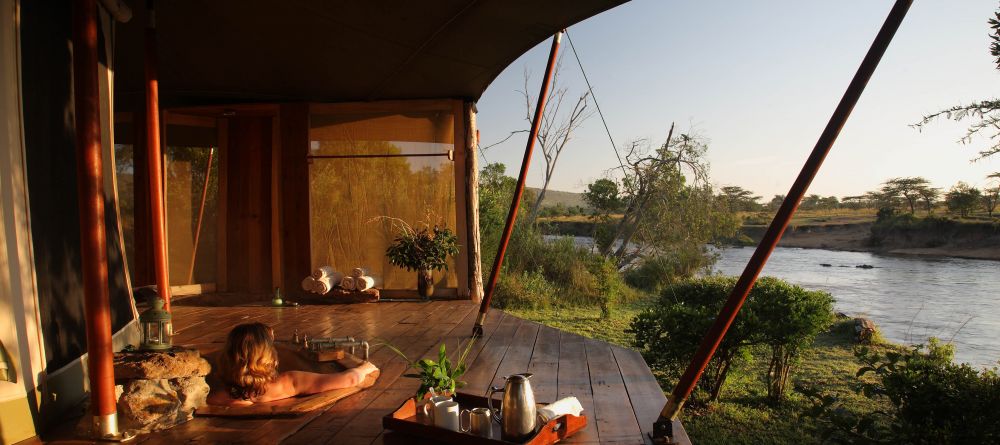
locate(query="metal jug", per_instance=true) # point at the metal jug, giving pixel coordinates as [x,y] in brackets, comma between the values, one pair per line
[518,414]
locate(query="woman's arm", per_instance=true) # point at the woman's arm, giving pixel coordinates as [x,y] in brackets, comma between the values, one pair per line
[305,383]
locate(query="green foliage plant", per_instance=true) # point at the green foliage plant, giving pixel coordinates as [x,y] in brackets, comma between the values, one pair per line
[442,375]
[427,248]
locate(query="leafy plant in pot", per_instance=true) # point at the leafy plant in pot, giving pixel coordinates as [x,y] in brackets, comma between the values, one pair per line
[424,251]
[441,376]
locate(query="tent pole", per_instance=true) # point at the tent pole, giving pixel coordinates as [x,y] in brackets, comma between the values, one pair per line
[201,214]
[508,228]
[155,159]
[662,427]
[93,243]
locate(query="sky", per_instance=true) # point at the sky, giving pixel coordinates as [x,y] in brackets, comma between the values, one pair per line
[760,80]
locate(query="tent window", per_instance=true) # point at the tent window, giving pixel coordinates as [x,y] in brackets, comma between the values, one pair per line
[365,166]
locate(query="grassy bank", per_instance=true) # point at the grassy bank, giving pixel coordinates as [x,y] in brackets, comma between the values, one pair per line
[743,416]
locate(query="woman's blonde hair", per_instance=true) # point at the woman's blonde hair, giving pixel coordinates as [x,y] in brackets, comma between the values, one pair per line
[249,361]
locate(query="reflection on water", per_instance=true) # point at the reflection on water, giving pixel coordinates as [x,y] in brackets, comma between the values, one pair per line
[910,298]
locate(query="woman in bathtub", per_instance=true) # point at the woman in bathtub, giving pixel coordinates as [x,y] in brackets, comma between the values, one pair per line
[248,370]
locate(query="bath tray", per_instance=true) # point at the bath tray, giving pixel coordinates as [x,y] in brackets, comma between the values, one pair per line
[406,420]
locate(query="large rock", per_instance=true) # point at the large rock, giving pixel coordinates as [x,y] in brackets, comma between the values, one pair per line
[173,364]
[159,404]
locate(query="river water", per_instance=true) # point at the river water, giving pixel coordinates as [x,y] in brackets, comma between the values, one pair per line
[909,298]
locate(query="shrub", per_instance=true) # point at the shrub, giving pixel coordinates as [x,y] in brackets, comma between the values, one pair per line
[930,399]
[781,316]
[791,318]
[670,332]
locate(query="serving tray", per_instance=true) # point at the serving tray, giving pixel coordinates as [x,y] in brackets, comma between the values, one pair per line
[407,420]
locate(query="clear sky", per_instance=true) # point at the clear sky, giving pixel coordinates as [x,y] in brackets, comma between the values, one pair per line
[760,80]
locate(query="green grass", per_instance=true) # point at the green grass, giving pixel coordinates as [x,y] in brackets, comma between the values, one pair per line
[744,415]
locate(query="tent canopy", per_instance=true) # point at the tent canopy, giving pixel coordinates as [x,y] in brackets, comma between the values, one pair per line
[305,50]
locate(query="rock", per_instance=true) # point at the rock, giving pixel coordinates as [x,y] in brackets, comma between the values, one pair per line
[159,404]
[172,364]
[148,405]
[192,393]
[864,330]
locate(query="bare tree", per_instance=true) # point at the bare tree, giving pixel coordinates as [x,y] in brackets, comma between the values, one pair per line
[556,128]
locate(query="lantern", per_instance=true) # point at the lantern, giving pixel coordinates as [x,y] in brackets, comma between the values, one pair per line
[156,327]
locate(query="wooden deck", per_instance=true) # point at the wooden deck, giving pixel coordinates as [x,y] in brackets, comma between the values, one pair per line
[619,393]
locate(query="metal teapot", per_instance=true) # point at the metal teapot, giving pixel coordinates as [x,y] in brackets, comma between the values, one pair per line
[518,414]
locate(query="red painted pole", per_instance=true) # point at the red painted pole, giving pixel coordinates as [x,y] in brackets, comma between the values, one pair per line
[201,214]
[508,229]
[739,294]
[93,245]
[155,160]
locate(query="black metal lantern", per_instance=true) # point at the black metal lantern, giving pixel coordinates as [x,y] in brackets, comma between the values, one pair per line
[157,329]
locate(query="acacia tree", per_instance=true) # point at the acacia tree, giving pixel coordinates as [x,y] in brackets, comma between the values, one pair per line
[908,188]
[991,193]
[986,112]
[929,195]
[739,199]
[962,199]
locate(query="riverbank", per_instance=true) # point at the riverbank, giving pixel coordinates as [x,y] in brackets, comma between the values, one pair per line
[979,241]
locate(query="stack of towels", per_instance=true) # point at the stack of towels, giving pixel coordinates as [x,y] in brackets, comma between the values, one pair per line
[325,278]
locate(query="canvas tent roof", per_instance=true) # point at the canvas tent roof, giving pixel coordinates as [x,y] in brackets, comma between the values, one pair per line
[307,50]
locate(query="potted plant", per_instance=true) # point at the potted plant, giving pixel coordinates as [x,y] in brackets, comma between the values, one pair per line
[442,375]
[423,251]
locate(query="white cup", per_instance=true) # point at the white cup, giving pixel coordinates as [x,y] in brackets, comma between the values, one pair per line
[446,416]
[432,403]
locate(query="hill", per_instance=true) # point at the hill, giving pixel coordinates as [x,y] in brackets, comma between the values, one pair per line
[554,197]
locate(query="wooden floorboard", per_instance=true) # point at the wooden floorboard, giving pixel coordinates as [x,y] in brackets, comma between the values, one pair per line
[616,421]
[620,395]
[574,381]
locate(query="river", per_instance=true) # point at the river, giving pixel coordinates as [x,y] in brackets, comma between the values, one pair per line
[909,298]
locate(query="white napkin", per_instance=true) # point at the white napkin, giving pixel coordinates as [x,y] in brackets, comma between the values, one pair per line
[569,405]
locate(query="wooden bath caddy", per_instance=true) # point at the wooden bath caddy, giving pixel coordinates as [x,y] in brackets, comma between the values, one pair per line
[406,420]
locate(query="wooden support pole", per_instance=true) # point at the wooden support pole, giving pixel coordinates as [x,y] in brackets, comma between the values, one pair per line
[201,214]
[508,229]
[746,281]
[472,203]
[93,243]
[155,160]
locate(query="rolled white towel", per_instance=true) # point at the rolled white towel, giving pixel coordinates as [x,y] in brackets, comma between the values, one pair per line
[363,283]
[323,285]
[324,271]
[358,272]
[308,284]
[347,283]
[569,405]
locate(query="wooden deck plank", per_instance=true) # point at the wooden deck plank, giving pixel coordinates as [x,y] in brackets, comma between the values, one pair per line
[644,391]
[544,365]
[518,355]
[574,380]
[616,422]
[483,369]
